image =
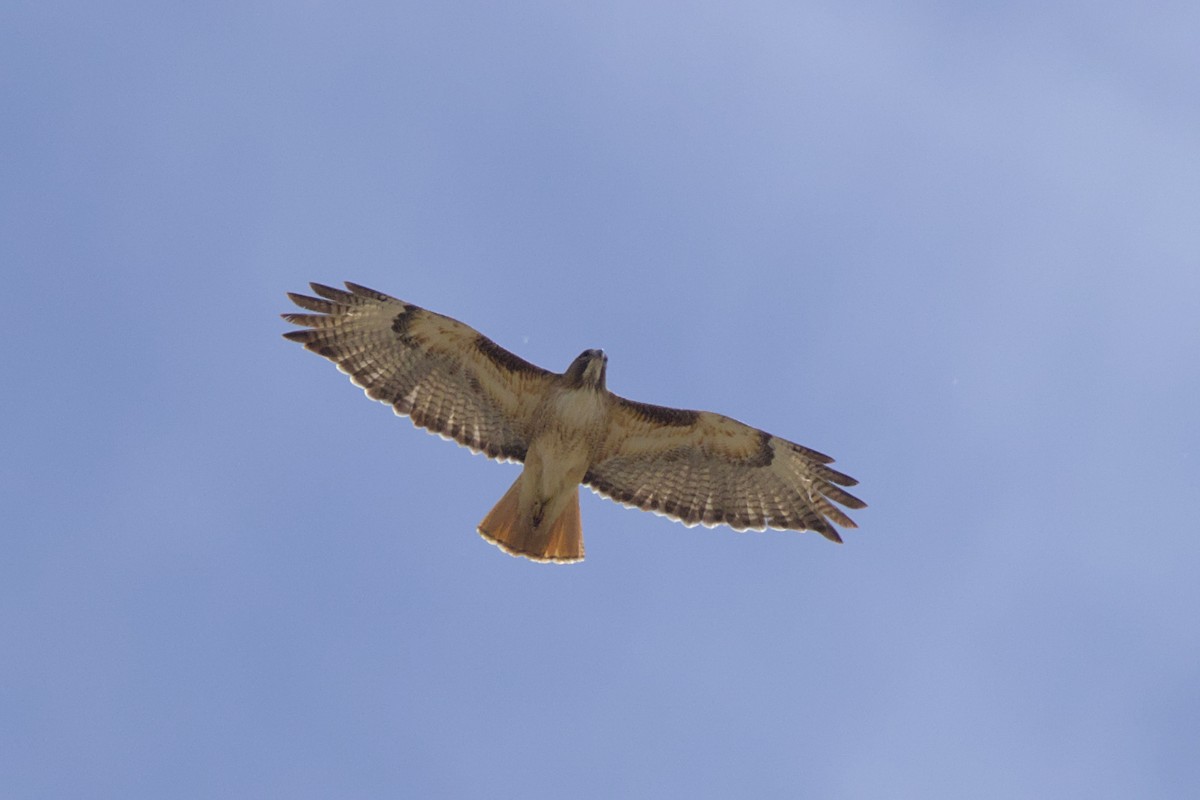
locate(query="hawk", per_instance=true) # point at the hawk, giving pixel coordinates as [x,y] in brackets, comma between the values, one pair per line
[696,467]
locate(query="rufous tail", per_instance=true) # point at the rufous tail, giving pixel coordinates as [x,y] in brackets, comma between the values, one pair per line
[561,541]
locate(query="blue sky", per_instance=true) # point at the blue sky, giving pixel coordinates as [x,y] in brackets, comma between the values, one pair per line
[954,245]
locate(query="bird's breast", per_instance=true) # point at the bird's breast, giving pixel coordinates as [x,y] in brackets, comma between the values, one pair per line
[578,410]
[569,432]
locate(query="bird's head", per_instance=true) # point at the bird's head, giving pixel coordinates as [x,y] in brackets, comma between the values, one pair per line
[587,370]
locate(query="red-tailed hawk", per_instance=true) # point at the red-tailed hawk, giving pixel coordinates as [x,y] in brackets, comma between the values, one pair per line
[693,466]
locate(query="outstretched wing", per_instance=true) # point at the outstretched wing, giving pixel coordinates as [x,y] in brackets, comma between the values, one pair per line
[446,376]
[703,468]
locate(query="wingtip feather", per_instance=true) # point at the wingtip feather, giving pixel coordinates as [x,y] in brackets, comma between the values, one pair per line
[330,293]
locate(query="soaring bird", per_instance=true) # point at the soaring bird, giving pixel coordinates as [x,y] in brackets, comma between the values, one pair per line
[696,467]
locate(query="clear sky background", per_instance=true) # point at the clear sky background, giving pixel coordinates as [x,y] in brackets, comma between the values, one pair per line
[954,245]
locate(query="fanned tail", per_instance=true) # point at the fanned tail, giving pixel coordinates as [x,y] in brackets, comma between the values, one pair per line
[513,532]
